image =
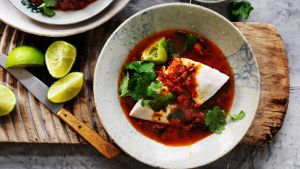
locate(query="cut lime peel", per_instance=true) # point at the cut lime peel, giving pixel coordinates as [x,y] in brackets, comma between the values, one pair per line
[66,88]
[7,100]
[60,58]
[25,56]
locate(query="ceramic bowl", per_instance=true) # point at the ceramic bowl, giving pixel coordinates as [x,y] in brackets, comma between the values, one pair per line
[64,17]
[176,16]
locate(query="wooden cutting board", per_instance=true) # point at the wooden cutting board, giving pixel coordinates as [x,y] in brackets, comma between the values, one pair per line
[31,122]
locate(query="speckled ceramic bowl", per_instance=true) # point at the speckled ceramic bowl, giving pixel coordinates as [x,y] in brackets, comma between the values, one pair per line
[176,16]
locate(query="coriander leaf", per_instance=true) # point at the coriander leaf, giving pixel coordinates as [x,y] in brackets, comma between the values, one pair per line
[50,3]
[160,102]
[47,11]
[139,91]
[154,88]
[215,119]
[190,41]
[237,117]
[145,102]
[140,66]
[178,114]
[241,9]
[124,86]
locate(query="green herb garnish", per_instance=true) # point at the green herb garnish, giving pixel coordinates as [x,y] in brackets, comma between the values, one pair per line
[159,102]
[237,117]
[46,8]
[153,89]
[178,114]
[190,41]
[215,119]
[140,83]
[241,9]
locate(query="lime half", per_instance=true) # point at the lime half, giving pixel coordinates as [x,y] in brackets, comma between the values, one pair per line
[7,100]
[60,57]
[66,88]
[25,56]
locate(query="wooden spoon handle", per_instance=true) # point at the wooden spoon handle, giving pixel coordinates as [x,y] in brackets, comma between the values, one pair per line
[102,145]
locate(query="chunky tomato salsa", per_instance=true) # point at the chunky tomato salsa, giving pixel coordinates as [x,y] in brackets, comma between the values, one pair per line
[186,124]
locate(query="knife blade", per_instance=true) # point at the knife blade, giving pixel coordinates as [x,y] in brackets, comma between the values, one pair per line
[37,88]
[40,90]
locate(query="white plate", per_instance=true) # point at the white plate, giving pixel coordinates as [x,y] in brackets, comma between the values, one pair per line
[64,17]
[13,17]
[176,16]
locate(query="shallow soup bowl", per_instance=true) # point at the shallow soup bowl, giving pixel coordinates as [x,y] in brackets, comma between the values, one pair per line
[176,16]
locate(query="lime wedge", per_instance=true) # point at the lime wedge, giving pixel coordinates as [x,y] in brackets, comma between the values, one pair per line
[7,100]
[60,57]
[66,88]
[24,56]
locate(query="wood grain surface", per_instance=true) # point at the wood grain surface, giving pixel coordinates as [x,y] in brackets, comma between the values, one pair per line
[31,122]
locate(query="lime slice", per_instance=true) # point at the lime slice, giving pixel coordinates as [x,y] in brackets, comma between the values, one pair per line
[60,57]
[25,56]
[66,88]
[7,100]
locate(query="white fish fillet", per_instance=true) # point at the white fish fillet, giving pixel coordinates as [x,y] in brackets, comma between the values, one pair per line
[208,80]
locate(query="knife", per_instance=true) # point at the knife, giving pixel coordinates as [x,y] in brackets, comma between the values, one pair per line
[40,90]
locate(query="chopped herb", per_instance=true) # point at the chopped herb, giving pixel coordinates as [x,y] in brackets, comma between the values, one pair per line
[237,117]
[241,9]
[160,102]
[124,85]
[46,8]
[140,83]
[50,3]
[215,119]
[140,66]
[190,41]
[154,89]
[178,114]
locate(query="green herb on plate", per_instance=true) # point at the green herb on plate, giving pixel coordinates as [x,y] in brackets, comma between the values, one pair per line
[237,117]
[46,8]
[159,102]
[140,83]
[215,119]
[178,114]
[241,9]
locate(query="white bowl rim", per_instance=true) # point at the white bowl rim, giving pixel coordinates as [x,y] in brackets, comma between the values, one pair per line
[160,6]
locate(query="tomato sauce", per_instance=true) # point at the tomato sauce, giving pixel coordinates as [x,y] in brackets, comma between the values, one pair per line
[193,129]
[66,5]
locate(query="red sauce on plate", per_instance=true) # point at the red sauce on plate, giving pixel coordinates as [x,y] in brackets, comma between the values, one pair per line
[193,129]
[66,5]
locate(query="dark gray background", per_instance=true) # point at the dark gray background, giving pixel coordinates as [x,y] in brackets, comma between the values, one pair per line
[283,152]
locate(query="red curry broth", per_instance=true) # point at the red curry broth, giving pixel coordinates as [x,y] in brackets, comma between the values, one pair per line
[178,134]
[66,5]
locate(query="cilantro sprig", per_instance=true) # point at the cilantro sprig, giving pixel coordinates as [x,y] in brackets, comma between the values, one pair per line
[46,8]
[215,119]
[238,117]
[241,9]
[140,83]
